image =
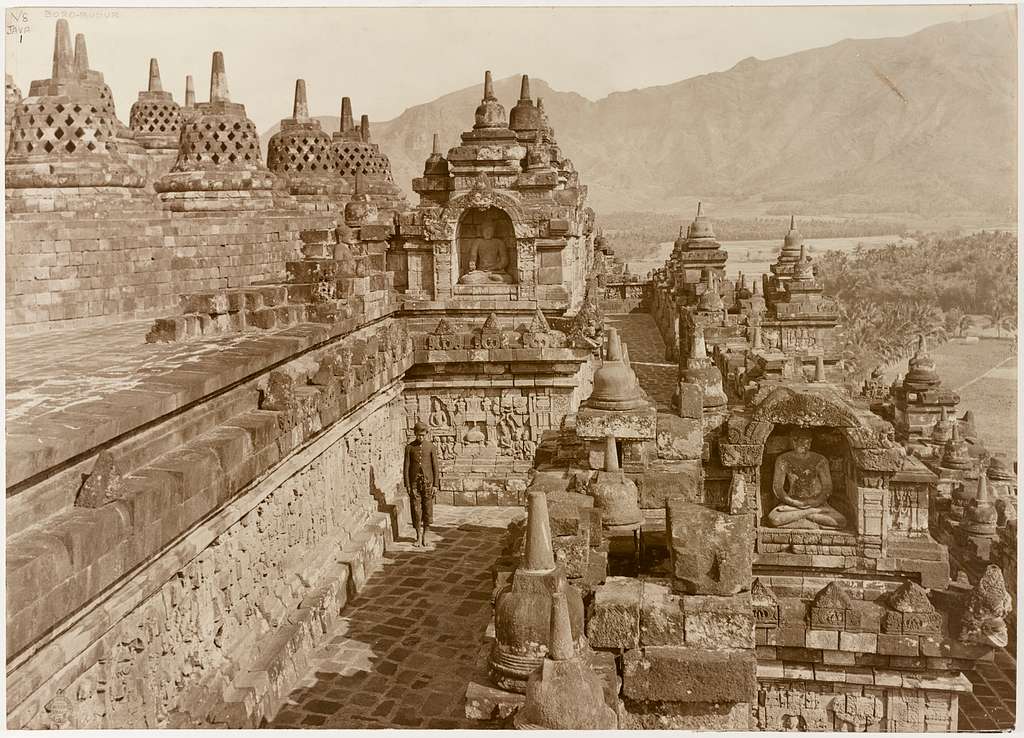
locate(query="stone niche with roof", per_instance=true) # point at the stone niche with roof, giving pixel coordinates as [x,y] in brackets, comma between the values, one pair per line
[492,266]
[501,219]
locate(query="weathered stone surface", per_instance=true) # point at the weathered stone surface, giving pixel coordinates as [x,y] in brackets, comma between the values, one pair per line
[614,620]
[686,674]
[624,425]
[739,454]
[711,552]
[679,438]
[719,622]
[682,481]
[662,620]
[698,716]
[105,483]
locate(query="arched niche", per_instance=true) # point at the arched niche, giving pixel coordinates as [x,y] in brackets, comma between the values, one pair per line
[486,240]
[827,441]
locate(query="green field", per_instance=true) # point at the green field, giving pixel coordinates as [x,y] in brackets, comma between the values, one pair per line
[993,397]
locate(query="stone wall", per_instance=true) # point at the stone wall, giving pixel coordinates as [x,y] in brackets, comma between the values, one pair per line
[81,269]
[208,641]
[243,517]
[835,706]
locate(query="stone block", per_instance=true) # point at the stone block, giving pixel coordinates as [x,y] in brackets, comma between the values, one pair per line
[484,702]
[614,620]
[825,639]
[690,403]
[624,425]
[662,620]
[711,552]
[683,481]
[897,645]
[732,716]
[858,642]
[679,438]
[719,622]
[685,674]
[571,552]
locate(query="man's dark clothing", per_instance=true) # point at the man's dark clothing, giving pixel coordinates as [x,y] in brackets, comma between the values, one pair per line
[421,475]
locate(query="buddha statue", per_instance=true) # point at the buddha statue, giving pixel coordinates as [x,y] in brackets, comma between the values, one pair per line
[802,483]
[487,258]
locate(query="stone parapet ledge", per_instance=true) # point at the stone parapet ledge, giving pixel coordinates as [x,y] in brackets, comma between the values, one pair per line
[31,452]
[84,549]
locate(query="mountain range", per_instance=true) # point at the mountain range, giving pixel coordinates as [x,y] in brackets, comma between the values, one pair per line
[924,124]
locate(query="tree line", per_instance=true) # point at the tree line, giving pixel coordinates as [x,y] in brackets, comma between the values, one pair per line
[939,287]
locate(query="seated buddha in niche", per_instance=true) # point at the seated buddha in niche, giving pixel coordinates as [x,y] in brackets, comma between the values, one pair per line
[802,483]
[487,258]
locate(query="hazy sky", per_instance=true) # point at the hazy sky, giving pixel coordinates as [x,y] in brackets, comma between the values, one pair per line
[387,59]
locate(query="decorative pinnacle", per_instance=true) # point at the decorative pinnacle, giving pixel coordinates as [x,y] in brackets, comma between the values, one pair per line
[560,646]
[190,92]
[155,85]
[792,222]
[219,80]
[982,495]
[346,115]
[922,344]
[300,108]
[62,58]
[614,350]
[698,349]
[700,208]
[611,454]
[524,89]
[539,555]
[364,128]
[437,145]
[803,252]
[81,55]
[488,86]
[682,231]
[819,369]
[540,104]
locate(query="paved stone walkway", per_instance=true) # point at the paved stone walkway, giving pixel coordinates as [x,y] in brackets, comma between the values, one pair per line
[993,705]
[402,652]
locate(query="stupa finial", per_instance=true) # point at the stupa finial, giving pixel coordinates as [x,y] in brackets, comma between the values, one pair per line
[437,144]
[611,454]
[488,86]
[190,92]
[539,555]
[155,85]
[346,124]
[364,128]
[81,55]
[63,60]
[300,107]
[219,80]
[524,88]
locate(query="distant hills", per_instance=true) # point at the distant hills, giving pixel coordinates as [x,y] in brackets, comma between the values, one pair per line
[925,123]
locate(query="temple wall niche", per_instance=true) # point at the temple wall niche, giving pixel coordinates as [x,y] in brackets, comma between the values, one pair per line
[830,443]
[188,643]
[473,230]
[80,271]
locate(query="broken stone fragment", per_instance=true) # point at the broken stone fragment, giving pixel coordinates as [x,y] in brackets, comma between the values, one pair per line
[105,483]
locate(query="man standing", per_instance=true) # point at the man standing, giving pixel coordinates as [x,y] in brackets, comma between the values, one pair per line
[421,475]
